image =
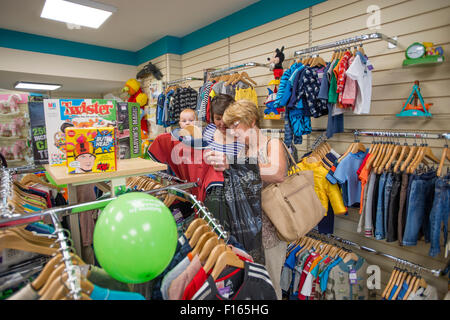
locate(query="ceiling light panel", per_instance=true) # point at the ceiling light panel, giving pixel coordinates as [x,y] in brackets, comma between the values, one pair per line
[36,86]
[80,12]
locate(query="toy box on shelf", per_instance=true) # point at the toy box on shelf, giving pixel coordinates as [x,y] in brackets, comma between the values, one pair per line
[79,113]
[128,130]
[90,150]
[14,128]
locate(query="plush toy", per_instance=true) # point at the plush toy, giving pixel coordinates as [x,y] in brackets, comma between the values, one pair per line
[16,127]
[276,63]
[18,149]
[133,88]
[11,105]
[150,69]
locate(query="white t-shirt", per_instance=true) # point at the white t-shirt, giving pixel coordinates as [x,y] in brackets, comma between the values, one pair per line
[359,72]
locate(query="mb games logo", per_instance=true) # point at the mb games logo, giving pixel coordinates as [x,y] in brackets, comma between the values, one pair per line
[51,105]
[84,108]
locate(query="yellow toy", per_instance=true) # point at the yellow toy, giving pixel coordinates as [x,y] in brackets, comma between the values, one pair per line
[133,88]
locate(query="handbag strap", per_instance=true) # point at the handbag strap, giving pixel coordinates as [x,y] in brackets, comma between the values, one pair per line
[290,155]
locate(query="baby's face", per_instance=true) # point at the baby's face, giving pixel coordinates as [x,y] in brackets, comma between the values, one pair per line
[186,119]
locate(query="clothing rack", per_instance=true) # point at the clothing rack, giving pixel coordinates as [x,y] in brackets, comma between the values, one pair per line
[248,64]
[315,233]
[347,41]
[169,83]
[72,279]
[204,210]
[419,135]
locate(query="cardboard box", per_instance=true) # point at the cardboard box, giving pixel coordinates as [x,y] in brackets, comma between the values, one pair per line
[128,130]
[91,150]
[80,113]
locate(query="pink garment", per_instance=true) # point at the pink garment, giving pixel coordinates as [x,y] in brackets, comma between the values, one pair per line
[350,90]
[241,253]
[342,68]
[180,283]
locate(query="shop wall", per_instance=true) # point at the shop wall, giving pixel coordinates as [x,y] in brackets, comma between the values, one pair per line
[410,21]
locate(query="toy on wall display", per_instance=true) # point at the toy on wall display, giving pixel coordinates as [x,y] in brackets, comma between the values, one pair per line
[150,69]
[276,63]
[423,53]
[90,150]
[134,90]
[412,108]
[9,104]
[15,151]
[61,114]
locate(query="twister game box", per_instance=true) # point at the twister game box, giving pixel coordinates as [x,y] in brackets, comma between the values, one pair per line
[78,113]
[90,150]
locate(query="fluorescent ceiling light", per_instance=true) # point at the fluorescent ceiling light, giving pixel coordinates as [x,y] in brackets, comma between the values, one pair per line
[80,12]
[36,86]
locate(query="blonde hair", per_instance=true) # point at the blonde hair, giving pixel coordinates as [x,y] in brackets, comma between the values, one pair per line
[244,111]
[188,110]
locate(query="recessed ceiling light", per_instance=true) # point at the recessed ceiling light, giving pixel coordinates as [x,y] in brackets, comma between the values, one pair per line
[36,86]
[79,12]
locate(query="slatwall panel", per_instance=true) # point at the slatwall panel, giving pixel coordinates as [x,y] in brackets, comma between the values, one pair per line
[410,21]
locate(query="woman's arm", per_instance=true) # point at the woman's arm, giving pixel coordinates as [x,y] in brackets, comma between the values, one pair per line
[274,171]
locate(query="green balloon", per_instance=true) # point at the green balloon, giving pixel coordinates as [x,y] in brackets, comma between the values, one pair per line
[135,238]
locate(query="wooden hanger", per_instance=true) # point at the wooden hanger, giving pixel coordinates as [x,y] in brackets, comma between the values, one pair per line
[403,153]
[445,155]
[198,233]
[54,275]
[207,249]
[49,267]
[393,156]
[233,77]
[227,258]
[411,285]
[31,237]
[399,285]
[386,157]
[247,77]
[412,153]
[201,242]
[361,49]
[391,280]
[380,155]
[193,226]
[214,256]
[357,147]
[11,240]
[31,178]
[86,289]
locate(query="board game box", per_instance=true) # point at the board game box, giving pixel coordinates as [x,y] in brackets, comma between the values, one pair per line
[79,113]
[128,130]
[90,150]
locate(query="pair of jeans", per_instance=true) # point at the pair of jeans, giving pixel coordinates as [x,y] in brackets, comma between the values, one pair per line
[439,214]
[379,223]
[387,197]
[393,208]
[402,207]
[419,207]
[375,201]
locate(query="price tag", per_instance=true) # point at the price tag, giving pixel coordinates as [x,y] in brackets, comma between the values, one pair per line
[353,277]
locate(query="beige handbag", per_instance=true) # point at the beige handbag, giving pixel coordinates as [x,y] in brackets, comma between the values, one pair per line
[292,205]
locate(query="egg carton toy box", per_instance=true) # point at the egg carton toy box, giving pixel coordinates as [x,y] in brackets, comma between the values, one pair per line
[61,114]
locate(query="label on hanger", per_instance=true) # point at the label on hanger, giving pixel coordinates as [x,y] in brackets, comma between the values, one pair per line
[352,276]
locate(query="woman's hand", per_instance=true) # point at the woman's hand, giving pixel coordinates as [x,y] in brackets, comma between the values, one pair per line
[216,159]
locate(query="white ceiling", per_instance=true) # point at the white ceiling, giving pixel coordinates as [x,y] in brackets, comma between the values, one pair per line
[136,24]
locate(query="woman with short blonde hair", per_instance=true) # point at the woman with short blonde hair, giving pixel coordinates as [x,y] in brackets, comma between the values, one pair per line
[243,120]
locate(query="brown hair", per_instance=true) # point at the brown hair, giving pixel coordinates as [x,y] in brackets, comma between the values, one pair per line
[219,104]
[244,111]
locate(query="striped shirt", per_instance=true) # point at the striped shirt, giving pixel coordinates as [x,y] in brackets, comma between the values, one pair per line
[255,284]
[229,149]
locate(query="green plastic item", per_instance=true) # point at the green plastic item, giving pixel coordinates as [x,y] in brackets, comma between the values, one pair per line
[415,95]
[423,61]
